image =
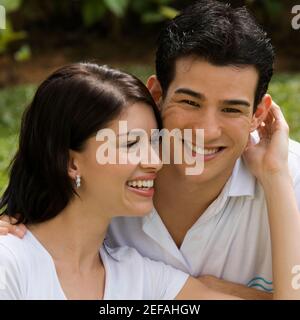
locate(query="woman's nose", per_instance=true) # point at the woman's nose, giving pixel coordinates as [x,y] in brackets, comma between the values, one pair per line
[152,160]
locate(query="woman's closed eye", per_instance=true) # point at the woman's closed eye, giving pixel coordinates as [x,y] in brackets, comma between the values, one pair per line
[131,144]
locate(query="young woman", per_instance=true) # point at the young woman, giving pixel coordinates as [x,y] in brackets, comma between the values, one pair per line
[66,199]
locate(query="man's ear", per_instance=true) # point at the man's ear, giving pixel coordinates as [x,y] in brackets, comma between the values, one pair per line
[261,112]
[155,89]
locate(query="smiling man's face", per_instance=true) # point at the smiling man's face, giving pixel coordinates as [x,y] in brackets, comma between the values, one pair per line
[218,99]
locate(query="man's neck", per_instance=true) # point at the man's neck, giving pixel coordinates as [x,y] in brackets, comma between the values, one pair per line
[180,200]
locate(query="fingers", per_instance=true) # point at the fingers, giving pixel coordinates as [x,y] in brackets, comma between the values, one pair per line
[7,219]
[21,230]
[278,115]
[274,121]
[264,131]
[17,230]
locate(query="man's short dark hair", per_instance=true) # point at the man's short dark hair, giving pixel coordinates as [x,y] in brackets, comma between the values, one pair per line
[219,34]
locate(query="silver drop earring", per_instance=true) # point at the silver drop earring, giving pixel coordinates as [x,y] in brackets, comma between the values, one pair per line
[78,181]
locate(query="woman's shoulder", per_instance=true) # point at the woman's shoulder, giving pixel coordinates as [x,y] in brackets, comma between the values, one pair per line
[11,246]
[27,270]
[10,242]
[14,267]
[16,251]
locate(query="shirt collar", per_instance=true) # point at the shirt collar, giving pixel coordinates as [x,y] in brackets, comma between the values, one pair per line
[242,182]
[154,227]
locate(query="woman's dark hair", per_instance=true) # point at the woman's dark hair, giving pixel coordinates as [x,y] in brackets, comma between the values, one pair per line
[69,107]
[219,34]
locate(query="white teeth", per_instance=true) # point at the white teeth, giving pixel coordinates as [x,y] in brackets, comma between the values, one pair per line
[141,183]
[205,151]
[201,150]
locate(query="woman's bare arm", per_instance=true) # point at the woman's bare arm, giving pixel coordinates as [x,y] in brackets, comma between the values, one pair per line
[268,160]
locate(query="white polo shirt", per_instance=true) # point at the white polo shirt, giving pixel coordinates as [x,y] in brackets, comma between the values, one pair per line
[230,240]
[27,272]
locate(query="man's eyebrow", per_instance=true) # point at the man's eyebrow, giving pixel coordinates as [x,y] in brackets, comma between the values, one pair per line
[236,102]
[190,92]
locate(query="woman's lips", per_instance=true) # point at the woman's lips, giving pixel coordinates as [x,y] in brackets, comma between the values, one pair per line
[144,192]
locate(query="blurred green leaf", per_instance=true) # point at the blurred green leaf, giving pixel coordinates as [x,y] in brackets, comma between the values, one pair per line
[139,70]
[118,7]
[8,147]
[152,17]
[92,11]
[168,12]
[8,35]
[163,2]
[23,54]
[140,6]
[285,91]
[273,7]
[11,5]
[12,103]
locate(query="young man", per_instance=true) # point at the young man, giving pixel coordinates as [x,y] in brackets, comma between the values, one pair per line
[213,67]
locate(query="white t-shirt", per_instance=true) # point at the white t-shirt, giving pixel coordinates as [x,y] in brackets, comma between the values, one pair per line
[27,272]
[230,240]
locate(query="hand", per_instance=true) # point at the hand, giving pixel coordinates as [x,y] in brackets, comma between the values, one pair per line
[270,155]
[7,226]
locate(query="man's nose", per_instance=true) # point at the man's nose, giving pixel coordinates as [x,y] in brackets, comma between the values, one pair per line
[211,124]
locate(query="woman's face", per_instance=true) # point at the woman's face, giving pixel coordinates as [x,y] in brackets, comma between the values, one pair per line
[114,188]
